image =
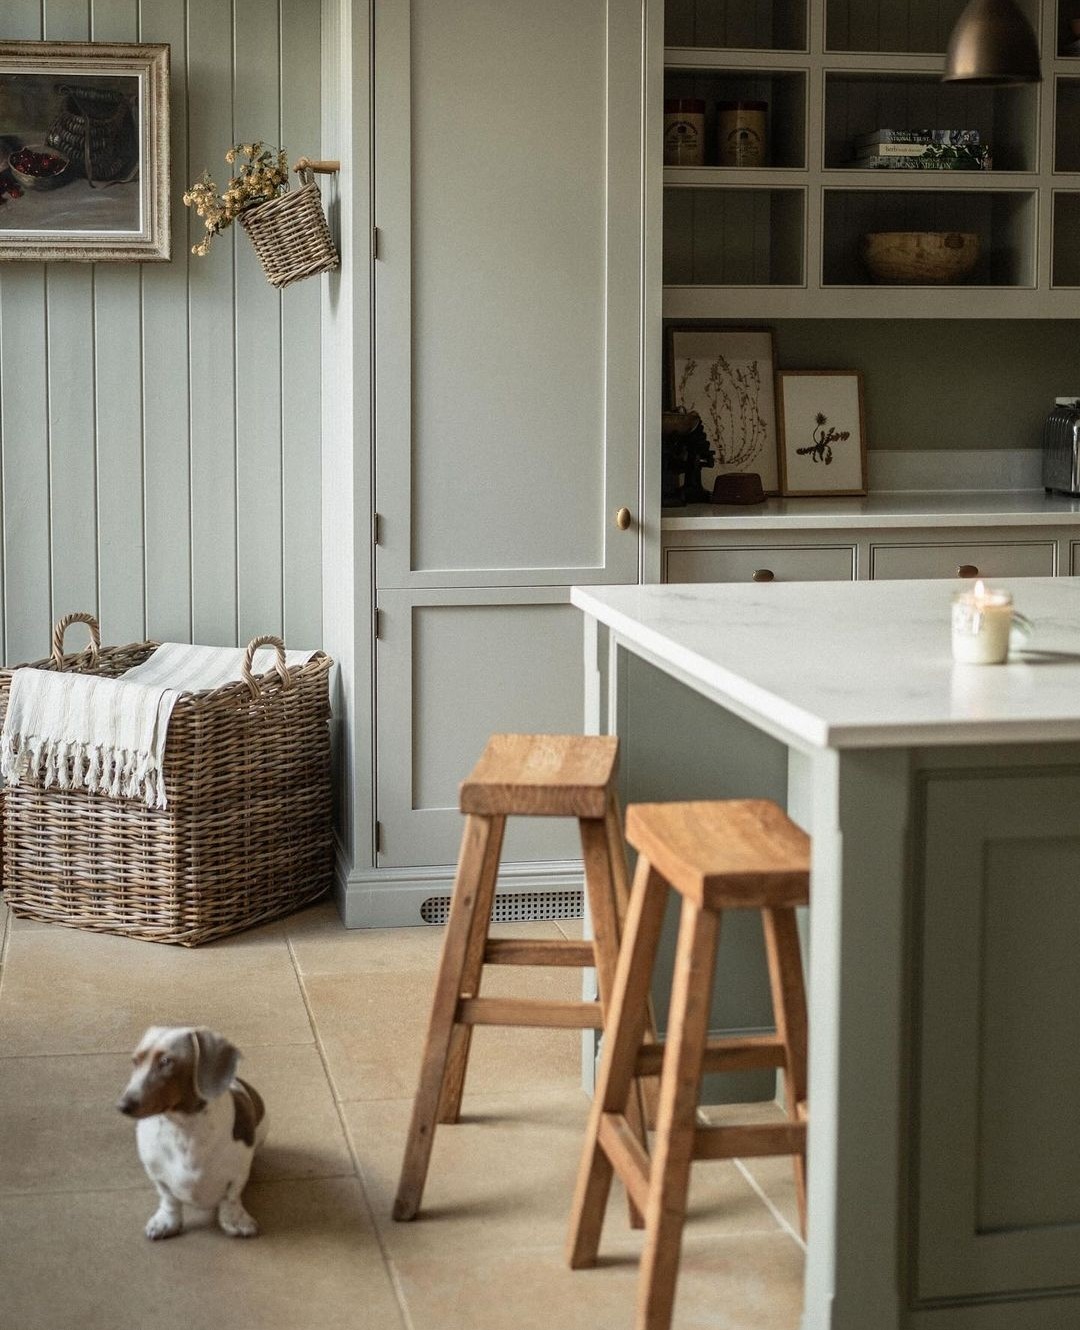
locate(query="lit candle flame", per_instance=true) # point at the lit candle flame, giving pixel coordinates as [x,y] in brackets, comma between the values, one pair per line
[980,590]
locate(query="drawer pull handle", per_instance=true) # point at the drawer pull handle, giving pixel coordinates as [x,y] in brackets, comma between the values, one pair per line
[763,575]
[967,570]
[623,519]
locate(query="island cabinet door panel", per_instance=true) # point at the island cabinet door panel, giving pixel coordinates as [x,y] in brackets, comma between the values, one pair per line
[454,667]
[997,1134]
[508,290]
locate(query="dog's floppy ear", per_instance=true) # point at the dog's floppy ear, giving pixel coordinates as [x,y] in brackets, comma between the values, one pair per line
[215,1063]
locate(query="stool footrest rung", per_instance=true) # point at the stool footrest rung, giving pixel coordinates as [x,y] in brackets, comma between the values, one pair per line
[627,1157]
[751,1141]
[530,1012]
[538,951]
[735,1053]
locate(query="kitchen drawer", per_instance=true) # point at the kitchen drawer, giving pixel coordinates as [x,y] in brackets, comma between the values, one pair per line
[1029,558]
[786,563]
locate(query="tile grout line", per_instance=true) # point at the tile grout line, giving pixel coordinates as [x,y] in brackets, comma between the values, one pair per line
[770,1206]
[391,1271]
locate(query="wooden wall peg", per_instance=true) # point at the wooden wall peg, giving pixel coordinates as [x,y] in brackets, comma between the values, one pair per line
[328,167]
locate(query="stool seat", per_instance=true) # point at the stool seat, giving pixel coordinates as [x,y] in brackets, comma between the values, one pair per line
[542,775]
[737,854]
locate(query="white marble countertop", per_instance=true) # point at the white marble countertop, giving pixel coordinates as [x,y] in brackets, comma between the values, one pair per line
[882,510]
[857,664]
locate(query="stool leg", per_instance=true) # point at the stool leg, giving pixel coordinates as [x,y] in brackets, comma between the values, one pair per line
[461,1038]
[600,879]
[680,1084]
[624,1028]
[479,835]
[789,1007]
[648,1086]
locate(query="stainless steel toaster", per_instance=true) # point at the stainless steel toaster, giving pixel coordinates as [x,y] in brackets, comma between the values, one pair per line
[1061,447]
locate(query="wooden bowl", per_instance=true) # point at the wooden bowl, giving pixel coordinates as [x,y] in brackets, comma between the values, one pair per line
[920,256]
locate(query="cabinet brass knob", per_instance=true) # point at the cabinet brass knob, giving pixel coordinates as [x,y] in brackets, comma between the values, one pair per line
[967,570]
[763,575]
[622,519]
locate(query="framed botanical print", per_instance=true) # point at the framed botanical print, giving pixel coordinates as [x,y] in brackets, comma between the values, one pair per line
[822,431]
[725,375]
[84,151]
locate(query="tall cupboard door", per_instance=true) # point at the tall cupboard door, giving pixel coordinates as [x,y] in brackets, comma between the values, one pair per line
[508,290]
[453,667]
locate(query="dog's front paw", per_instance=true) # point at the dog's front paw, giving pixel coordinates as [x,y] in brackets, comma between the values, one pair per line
[163,1224]
[235,1220]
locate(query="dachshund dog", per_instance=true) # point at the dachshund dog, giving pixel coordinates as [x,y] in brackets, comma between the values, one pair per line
[198,1127]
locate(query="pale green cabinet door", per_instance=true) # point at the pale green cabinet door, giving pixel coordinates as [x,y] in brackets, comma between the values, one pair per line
[454,667]
[997,1034]
[508,290]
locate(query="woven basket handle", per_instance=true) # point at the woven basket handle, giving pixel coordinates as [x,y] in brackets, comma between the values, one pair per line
[279,664]
[61,628]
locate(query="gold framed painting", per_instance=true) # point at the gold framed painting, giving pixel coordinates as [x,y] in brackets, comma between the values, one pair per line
[822,432]
[725,375]
[84,151]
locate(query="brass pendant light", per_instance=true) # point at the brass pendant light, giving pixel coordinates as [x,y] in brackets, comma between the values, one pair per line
[992,43]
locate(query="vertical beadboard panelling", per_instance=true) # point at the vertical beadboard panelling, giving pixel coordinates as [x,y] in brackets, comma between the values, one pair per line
[258,348]
[119,408]
[166,423]
[212,313]
[122,375]
[301,397]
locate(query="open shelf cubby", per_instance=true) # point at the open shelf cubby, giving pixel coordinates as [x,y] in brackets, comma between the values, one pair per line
[1066,264]
[1067,124]
[858,103]
[736,25]
[783,90]
[906,27]
[1068,41]
[1003,220]
[733,237]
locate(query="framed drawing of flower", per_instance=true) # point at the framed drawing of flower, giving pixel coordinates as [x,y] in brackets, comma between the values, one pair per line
[822,431]
[725,375]
[84,151]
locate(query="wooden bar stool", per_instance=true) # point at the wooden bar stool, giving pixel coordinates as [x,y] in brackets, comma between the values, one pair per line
[736,855]
[541,775]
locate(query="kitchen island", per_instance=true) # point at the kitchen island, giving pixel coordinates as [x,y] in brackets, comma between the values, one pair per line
[944,806]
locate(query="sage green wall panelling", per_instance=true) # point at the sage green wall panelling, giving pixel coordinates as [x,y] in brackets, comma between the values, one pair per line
[143,478]
[956,383]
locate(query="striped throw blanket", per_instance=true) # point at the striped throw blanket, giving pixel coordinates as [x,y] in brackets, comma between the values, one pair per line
[81,731]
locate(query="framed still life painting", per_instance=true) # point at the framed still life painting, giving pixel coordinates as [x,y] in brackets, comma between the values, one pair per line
[822,431]
[725,375]
[84,151]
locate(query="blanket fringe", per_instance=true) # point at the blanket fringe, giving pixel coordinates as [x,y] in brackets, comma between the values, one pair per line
[70,766]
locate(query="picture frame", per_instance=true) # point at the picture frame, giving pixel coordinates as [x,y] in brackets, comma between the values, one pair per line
[822,427]
[727,375]
[84,152]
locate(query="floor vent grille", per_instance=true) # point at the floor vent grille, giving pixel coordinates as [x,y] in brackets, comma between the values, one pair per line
[515,907]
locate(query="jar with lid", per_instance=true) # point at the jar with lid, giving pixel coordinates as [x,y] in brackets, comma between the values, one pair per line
[684,132]
[741,133]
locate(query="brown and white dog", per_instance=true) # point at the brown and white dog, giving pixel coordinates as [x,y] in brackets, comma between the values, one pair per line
[199,1126]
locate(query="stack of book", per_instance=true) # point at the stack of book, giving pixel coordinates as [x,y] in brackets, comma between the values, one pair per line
[922,150]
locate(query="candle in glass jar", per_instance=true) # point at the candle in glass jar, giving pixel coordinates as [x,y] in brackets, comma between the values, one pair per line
[981,622]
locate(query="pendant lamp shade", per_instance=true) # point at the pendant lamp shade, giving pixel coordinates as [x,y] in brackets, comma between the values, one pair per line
[992,42]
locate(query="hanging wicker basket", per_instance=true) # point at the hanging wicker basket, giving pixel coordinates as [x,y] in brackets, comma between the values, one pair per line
[290,234]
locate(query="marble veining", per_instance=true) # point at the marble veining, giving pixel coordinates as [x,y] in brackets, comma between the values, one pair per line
[858,664]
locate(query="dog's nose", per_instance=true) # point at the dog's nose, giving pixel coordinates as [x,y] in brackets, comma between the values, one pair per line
[126,1105]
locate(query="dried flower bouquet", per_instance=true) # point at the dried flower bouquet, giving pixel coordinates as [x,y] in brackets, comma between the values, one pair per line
[265,175]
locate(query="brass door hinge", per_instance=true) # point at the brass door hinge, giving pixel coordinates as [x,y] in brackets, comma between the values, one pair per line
[376,624]
[375,531]
[374,242]
[378,838]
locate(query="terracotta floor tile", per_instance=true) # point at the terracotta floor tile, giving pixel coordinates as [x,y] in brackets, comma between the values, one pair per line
[86,1263]
[67,991]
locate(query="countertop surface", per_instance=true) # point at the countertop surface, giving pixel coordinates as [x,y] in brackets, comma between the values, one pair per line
[858,664]
[882,510]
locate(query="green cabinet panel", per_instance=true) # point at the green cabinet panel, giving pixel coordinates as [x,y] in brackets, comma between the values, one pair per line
[997,1120]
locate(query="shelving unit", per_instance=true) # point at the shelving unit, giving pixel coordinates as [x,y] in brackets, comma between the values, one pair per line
[784,240]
